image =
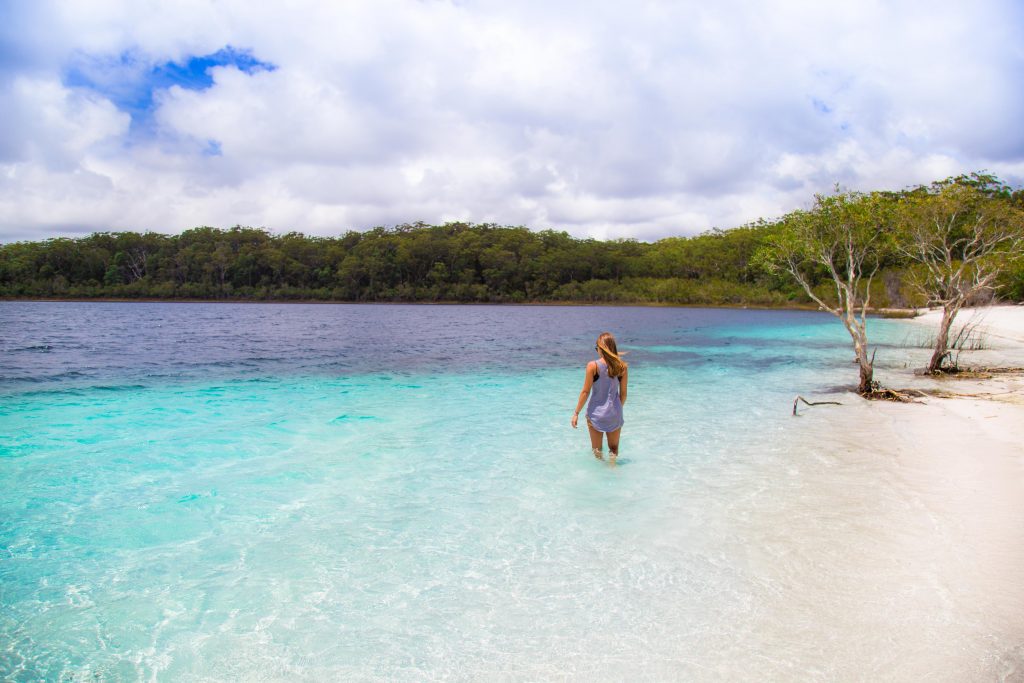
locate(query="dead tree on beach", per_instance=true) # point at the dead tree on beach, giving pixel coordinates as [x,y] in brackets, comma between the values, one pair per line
[845,237]
[963,232]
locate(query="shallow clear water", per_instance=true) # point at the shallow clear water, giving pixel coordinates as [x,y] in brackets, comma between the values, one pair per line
[265,492]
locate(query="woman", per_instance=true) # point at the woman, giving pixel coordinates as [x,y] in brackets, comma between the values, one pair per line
[605,383]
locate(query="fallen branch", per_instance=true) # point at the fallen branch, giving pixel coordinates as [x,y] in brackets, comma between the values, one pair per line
[950,372]
[975,373]
[813,403]
[897,395]
[939,393]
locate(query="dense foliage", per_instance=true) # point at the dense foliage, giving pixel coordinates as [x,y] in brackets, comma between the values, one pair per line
[452,262]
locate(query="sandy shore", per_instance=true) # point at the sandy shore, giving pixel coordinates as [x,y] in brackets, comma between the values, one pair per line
[1001,323]
[933,574]
[1000,332]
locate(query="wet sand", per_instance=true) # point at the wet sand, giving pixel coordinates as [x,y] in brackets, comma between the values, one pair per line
[900,553]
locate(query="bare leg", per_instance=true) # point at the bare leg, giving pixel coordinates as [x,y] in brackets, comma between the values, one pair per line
[596,439]
[613,445]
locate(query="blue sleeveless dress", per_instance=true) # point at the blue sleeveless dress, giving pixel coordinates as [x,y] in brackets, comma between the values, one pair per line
[604,412]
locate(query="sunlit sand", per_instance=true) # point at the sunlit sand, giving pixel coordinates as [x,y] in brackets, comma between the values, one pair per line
[897,552]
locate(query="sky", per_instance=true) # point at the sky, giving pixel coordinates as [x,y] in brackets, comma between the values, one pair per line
[642,119]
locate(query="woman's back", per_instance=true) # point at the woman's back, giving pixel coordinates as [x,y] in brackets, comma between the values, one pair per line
[605,408]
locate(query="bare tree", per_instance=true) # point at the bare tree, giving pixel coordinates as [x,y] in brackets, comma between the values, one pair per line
[962,231]
[137,260]
[845,237]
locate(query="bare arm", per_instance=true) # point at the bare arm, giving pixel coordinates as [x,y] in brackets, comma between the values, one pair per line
[622,386]
[588,382]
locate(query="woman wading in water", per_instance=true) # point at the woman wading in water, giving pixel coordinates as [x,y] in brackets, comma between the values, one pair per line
[605,383]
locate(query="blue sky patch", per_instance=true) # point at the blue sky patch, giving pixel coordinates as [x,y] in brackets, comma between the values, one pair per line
[212,149]
[131,82]
[195,73]
[821,106]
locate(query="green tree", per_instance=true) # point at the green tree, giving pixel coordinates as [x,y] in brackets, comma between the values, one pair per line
[964,232]
[843,239]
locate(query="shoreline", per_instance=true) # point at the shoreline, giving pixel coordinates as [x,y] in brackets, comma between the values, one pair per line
[999,334]
[889,313]
[325,302]
[938,488]
[1003,321]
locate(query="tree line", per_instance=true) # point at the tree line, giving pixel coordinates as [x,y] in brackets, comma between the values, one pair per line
[418,262]
[458,262]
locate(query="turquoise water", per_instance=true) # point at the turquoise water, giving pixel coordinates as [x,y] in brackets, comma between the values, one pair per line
[266,492]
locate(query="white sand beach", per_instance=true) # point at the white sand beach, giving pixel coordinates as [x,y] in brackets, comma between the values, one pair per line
[1003,323]
[926,584]
[1000,332]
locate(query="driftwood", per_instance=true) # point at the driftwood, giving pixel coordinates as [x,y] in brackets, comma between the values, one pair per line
[939,393]
[880,393]
[813,403]
[876,394]
[897,395]
[974,373]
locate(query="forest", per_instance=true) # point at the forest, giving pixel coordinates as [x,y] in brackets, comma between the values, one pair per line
[454,262]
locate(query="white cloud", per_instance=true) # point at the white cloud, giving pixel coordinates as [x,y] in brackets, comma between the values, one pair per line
[51,125]
[599,118]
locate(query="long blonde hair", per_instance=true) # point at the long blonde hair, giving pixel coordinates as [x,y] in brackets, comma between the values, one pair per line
[610,353]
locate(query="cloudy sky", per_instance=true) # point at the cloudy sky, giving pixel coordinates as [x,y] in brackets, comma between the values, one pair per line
[607,119]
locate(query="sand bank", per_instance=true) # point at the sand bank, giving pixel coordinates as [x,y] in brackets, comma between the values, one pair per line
[999,330]
[918,538]
[1000,323]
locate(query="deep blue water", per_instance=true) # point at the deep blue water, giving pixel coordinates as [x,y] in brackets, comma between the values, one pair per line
[60,346]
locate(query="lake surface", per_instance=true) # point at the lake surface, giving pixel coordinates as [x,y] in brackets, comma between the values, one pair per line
[346,492]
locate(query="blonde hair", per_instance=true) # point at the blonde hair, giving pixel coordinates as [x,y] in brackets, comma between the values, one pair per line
[610,353]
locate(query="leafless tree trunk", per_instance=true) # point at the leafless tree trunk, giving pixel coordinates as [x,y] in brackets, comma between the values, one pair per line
[941,351]
[137,260]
